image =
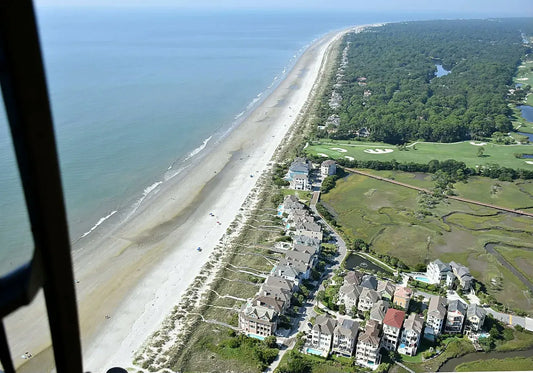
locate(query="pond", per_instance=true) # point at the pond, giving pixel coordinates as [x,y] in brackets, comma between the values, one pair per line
[529,135]
[527,112]
[451,364]
[357,261]
[441,71]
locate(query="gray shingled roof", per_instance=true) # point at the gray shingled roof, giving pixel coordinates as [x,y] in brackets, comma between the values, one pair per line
[474,309]
[437,307]
[348,328]
[325,324]
[457,305]
[370,282]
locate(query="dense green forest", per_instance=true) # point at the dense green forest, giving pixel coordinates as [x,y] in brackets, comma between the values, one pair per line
[388,82]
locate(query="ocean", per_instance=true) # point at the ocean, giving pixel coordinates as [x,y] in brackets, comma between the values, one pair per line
[138,93]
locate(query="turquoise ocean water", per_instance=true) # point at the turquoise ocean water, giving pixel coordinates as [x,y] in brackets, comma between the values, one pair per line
[137,93]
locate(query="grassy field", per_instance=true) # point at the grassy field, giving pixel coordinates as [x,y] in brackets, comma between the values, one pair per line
[384,215]
[509,364]
[423,152]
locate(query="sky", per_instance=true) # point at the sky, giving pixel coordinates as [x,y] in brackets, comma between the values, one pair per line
[494,7]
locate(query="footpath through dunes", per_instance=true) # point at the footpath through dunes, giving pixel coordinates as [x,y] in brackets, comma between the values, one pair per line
[425,190]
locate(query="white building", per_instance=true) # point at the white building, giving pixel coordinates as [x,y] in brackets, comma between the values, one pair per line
[436,317]
[437,271]
[367,353]
[392,326]
[475,317]
[322,333]
[345,336]
[328,168]
[412,330]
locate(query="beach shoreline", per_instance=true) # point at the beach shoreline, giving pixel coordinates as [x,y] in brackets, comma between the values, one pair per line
[152,259]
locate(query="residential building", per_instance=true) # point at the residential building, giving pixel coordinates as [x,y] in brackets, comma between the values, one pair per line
[412,330]
[402,297]
[367,352]
[300,182]
[306,241]
[386,289]
[303,270]
[288,272]
[462,273]
[367,299]
[328,168]
[455,317]
[379,310]
[322,333]
[392,326]
[349,296]
[257,320]
[312,230]
[300,166]
[437,271]
[370,282]
[436,317]
[345,336]
[475,317]
[353,278]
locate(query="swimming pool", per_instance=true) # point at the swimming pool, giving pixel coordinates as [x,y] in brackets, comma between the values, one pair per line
[313,351]
[422,279]
[260,337]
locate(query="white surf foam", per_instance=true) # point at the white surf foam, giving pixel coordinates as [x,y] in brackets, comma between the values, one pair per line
[198,149]
[98,223]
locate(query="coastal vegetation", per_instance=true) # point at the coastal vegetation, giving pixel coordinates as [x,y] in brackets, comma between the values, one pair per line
[387,218]
[389,84]
[508,364]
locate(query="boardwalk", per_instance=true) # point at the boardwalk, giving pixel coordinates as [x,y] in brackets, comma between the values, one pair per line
[519,212]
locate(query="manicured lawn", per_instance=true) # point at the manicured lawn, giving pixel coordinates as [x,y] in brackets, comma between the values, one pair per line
[502,155]
[509,364]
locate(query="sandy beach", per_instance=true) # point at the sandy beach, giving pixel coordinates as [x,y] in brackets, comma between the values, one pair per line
[129,279]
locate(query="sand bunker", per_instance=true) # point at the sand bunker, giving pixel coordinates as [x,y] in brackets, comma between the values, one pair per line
[378,151]
[529,162]
[340,150]
[349,158]
[477,143]
[323,155]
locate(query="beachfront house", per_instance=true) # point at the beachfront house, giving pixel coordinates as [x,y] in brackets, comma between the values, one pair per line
[392,326]
[462,273]
[367,299]
[402,297]
[437,271]
[309,229]
[475,317]
[300,182]
[287,272]
[379,310]
[367,352]
[257,321]
[300,166]
[328,168]
[436,317]
[349,296]
[455,317]
[344,337]
[412,330]
[322,333]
